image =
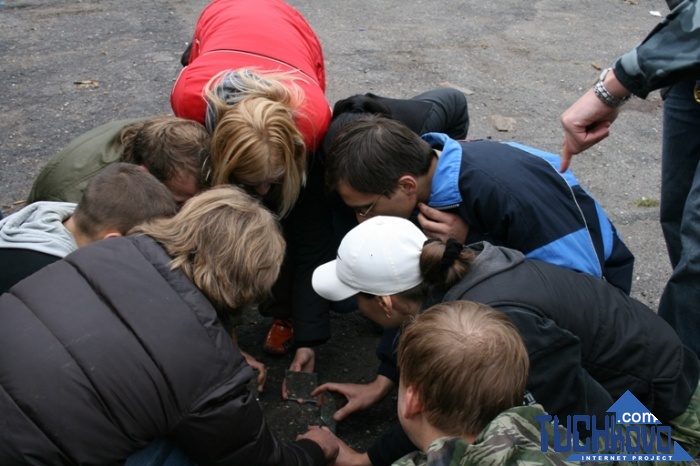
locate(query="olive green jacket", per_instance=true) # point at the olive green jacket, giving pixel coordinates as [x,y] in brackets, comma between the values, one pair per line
[66,175]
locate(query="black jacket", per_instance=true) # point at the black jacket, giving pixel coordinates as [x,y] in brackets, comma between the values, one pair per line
[108,349]
[588,342]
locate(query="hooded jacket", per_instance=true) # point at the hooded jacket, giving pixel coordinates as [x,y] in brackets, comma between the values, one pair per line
[588,342]
[106,350]
[32,238]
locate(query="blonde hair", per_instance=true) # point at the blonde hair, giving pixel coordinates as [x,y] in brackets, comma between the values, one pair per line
[254,137]
[227,243]
[467,362]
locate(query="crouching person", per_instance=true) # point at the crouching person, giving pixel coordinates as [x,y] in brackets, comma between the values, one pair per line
[120,346]
[463,369]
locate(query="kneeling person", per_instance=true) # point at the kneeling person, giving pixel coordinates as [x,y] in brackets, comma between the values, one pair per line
[117,199]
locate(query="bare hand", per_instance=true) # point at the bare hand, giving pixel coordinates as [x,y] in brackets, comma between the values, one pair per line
[304,361]
[349,457]
[325,439]
[586,123]
[360,396]
[257,366]
[441,225]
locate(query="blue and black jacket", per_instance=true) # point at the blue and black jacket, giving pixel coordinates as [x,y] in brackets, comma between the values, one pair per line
[513,195]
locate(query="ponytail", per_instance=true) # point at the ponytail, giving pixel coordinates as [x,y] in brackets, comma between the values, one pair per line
[443,265]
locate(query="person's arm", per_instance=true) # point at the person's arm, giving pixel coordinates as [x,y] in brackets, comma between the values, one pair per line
[588,120]
[310,245]
[668,55]
[228,427]
[448,114]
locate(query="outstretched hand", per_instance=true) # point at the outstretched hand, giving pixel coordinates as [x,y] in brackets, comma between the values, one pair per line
[586,123]
[359,396]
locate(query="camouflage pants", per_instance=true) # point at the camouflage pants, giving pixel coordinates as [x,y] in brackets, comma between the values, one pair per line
[686,427]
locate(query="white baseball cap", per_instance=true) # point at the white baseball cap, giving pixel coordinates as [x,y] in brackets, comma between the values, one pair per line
[380,256]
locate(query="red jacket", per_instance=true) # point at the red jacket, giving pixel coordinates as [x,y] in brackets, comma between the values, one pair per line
[267,35]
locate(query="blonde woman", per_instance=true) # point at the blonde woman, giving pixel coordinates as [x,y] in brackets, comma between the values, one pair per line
[127,349]
[254,74]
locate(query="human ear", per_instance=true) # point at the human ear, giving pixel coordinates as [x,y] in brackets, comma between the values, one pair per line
[109,234]
[408,184]
[412,403]
[385,304]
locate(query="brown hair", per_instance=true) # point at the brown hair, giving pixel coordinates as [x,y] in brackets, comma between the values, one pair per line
[254,136]
[227,243]
[168,147]
[120,197]
[434,270]
[371,153]
[467,363]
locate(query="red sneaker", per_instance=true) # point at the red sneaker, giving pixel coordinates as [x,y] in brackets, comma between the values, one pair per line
[280,338]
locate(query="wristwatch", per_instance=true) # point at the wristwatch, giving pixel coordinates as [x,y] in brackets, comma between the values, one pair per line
[605,96]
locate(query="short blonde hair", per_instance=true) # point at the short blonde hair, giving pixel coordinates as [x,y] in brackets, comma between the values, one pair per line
[227,243]
[467,362]
[254,136]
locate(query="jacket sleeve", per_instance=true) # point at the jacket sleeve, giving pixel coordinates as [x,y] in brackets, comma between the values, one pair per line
[313,245]
[448,112]
[669,54]
[228,428]
[558,380]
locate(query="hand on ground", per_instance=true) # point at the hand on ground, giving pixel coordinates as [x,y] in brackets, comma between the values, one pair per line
[328,442]
[304,361]
[359,396]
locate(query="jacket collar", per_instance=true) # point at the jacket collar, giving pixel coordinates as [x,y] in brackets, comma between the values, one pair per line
[444,192]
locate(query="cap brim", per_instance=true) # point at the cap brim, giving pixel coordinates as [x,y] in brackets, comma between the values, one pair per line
[327,284]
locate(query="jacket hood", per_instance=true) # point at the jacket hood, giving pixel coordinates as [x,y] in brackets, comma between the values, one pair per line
[39,227]
[490,261]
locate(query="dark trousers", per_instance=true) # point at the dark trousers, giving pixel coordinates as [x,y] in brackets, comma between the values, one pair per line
[680,212]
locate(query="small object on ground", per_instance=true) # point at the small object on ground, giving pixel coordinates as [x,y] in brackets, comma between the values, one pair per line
[300,385]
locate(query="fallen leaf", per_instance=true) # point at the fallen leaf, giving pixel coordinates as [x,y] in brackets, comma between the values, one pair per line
[87,84]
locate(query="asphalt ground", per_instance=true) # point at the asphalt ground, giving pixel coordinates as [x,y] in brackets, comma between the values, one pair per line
[67,66]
